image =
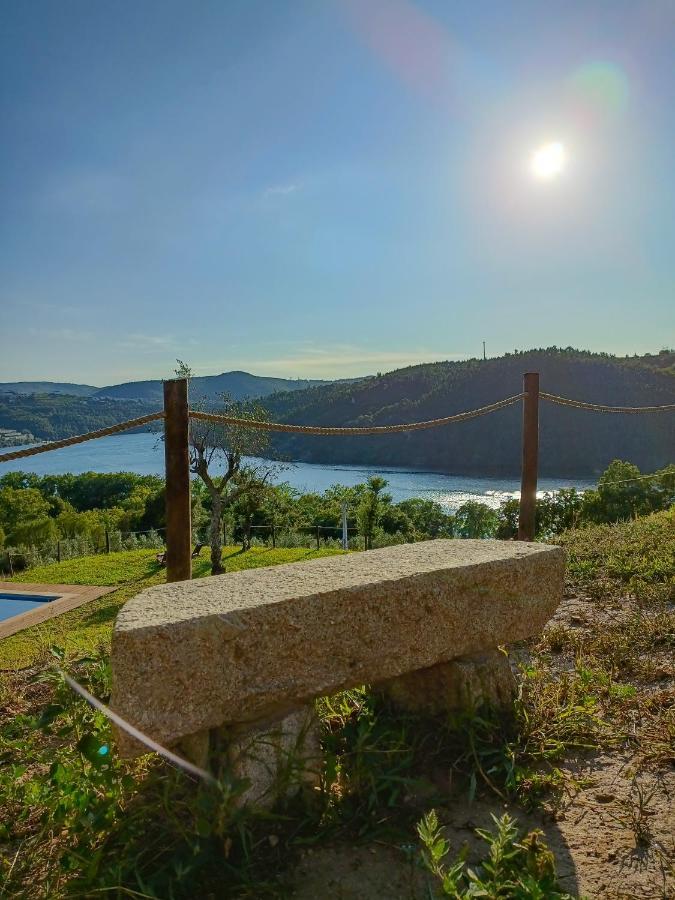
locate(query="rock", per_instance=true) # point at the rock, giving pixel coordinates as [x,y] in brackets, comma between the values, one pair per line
[278,760]
[464,683]
[255,645]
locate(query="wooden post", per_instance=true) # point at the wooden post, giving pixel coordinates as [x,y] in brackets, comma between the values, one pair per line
[318,538]
[177,468]
[274,536]
[107,541]
[528,481]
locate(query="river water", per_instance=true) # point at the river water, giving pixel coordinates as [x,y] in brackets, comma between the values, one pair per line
[144,454]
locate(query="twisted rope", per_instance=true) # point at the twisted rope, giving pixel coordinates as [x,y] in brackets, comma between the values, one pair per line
[81,438]
[327,429]
[334,430]
[599,407]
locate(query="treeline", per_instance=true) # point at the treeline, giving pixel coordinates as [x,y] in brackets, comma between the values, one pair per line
[53,416]
[37,511]
[572,442]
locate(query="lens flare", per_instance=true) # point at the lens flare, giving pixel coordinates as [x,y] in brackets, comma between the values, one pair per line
[548,160]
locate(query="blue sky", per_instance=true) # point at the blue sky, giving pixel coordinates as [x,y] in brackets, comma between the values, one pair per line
[331,187]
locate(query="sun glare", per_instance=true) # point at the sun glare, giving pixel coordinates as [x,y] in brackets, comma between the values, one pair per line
[548,161]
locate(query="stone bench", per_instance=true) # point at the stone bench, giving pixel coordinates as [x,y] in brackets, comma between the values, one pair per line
[244,654]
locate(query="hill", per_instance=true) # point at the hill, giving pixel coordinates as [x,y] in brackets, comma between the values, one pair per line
[572,442]
[238,385]
[47,387]
[52,416]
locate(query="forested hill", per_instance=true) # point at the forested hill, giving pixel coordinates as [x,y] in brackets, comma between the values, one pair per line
[53,416]
[572,442]
[47,387]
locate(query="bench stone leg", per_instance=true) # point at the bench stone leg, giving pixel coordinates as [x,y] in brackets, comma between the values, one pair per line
[278,759]
[464,683]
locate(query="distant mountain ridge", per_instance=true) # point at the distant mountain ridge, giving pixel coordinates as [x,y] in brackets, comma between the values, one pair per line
[48,387]
[572,441]
[238,385]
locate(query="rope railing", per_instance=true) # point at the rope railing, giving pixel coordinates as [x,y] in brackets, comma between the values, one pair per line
[601,407]
[81,438]
[355,430]
[335,430]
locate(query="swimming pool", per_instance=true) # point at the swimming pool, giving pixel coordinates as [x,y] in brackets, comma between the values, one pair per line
[16,604]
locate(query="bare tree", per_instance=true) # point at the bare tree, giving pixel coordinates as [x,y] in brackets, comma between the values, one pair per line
[228,460]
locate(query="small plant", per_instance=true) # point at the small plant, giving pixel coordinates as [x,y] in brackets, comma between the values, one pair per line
[635,814]
[515,867]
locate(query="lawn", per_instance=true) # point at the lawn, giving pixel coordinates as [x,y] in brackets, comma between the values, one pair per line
[89,627]
[587,757]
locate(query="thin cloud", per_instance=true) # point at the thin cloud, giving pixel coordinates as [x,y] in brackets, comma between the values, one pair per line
[338,361]
[62,334]
[281,190]
[147,342]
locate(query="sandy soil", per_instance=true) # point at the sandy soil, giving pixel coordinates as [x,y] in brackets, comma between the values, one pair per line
[613,834]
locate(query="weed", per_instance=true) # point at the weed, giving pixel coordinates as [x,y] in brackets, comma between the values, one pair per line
[515,867]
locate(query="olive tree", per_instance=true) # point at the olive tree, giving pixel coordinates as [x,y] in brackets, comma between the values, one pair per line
[229,460]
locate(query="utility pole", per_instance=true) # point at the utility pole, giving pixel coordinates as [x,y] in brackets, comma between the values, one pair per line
[345,533]
[484,356]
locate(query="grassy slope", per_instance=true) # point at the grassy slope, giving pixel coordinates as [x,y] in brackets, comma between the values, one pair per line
[90,626]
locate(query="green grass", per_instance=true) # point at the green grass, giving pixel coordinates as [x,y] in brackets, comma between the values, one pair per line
[75,826]
[636,556]
[89,627]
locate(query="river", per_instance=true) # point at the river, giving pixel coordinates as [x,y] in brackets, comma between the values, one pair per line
[144,454]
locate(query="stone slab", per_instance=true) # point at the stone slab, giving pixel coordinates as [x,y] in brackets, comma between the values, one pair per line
[256,644]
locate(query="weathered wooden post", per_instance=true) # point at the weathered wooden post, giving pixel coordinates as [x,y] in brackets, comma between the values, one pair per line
[274,536]
[177,469]
[318,537]
[107,541]
[528,480]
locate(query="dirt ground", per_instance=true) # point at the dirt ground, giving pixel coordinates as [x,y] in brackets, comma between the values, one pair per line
[613,832]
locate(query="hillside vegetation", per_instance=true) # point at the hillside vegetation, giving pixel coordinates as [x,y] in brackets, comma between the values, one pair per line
[572,442]
[53,416]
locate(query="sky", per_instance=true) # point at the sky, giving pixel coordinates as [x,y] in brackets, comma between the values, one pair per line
[326,188]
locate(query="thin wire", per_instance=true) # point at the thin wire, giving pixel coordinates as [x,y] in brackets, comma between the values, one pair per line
[637,478]
[168,755]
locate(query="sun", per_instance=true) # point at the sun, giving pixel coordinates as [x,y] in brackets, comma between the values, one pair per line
[548,161]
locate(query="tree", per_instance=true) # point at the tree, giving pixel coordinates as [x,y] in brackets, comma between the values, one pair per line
[24,517]
[228,460]
[370,508]
[621,494]
[428,517]
[476,520]
[226,448]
